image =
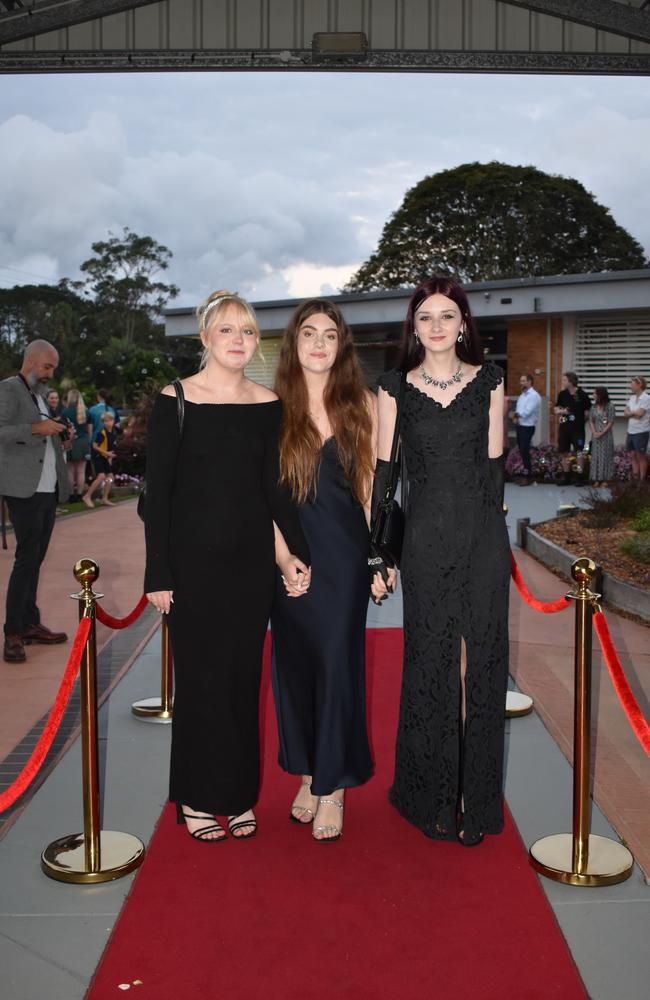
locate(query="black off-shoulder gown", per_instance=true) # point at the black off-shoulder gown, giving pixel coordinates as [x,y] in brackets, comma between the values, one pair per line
[455,578]
[212,497]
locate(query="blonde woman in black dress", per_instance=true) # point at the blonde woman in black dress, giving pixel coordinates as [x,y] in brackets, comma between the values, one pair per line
[455,570]
[212,502]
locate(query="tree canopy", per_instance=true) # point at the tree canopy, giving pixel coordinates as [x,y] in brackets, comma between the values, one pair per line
[480,222]
[121,277]
[107,330]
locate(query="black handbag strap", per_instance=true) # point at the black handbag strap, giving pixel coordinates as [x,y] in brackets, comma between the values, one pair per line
[393,474]
[180,404]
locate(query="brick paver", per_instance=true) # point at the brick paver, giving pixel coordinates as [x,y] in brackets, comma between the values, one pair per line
[114,537]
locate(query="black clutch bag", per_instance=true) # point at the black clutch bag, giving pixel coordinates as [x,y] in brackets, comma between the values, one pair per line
[180,408]
[387,529]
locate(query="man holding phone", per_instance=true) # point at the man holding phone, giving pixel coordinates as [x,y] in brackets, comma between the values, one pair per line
[32,480]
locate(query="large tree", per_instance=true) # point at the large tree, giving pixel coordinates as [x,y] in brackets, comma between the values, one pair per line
[121,276]
[489,221]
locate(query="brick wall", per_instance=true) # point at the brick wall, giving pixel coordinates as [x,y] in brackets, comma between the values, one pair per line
[527,352]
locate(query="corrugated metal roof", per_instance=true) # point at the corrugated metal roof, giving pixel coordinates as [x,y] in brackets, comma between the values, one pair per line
[424,35]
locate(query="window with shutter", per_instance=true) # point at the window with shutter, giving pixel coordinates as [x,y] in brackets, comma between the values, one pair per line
[264,371]
[608,351]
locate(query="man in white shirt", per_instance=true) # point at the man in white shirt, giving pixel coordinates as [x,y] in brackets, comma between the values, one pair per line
[525,417]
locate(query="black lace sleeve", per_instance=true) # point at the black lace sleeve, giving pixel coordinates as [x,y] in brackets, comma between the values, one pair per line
[162,454]
[283,510]
[390,381]
[494,374]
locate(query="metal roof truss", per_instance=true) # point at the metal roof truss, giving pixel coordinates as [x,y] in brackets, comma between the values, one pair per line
[544,36]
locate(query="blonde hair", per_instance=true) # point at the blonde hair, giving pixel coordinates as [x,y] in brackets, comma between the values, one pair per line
[74,396]
[214,307]
[106,416]
[639,379]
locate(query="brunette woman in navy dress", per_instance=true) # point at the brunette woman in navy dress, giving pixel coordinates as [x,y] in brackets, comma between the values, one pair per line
[327,452]
[213,505]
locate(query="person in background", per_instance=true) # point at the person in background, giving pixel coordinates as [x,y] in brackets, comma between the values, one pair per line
[601,422]
[53,403]
[75,414]
[103,455]
[526,417]
[572,406]
[94,414]
[33,478]
[638,427]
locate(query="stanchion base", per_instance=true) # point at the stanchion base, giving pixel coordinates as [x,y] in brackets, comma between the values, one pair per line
[518,704]
[65,859]
[151,710]
[609,861]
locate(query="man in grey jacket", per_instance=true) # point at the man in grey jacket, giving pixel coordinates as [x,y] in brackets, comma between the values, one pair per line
[32,479]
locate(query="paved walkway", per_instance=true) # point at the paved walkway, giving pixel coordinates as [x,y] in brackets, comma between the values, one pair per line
[43,955]
[114,537]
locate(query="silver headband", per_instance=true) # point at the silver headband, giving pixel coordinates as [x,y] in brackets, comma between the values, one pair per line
[214,302]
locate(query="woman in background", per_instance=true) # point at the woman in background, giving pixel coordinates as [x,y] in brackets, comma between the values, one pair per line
[75,413]
[601,422]
[637,412]
[327,453]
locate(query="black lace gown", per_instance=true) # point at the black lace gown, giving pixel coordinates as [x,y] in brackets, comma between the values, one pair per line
[455,579]
[212,497]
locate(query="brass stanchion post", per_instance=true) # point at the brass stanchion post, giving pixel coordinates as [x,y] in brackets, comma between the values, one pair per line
[582,858]
[160,709]
[95,855]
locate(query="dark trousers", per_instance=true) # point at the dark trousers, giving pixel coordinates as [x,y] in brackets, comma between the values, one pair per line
[33,520]
[524,437]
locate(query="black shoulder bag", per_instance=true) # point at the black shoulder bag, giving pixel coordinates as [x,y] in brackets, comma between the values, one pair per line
[180,409]
[387,529]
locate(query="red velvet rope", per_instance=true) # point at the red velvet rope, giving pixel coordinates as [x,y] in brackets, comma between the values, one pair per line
[106,619]
[547,608]
[40,751]
[620,682]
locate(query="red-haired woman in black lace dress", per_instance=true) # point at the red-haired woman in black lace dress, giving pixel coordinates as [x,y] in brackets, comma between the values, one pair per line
[455,570]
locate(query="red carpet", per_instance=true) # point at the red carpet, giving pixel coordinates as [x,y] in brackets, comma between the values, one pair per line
[384,913]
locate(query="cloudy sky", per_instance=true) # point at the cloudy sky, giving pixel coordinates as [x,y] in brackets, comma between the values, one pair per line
[279,184]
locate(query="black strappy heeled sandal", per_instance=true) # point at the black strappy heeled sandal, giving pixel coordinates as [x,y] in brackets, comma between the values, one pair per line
[235,823]
[202,833]
[460,834]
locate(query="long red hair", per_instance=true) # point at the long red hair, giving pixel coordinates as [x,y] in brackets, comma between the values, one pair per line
[346,401]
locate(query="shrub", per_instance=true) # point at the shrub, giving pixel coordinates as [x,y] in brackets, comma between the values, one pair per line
[544,462]
[637,547]
[642,520]
[624,502]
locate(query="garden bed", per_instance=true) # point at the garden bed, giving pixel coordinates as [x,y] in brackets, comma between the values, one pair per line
[614,531]
[574,534]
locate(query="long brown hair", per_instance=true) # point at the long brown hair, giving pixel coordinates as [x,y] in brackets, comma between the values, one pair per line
[346,404]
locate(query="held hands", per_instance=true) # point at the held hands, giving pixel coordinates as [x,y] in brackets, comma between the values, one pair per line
[296,576]
[162,600]
[383,582]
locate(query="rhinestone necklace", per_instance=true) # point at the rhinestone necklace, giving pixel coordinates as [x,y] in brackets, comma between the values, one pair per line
[440,383]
